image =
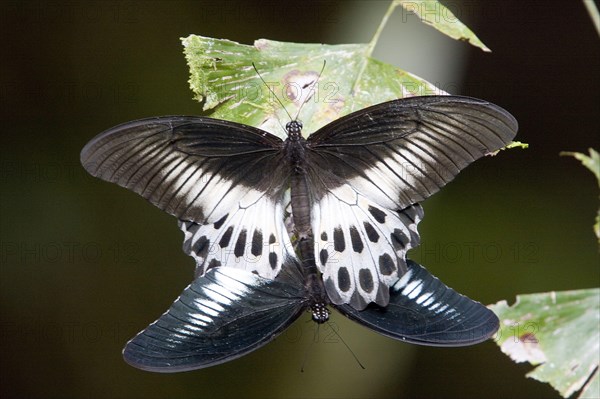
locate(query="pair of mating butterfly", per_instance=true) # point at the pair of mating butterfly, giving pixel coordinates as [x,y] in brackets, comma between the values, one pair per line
[352,190]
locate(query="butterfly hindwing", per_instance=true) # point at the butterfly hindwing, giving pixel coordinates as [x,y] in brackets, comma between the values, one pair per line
[219,317]
[254,239]
[422,310]
[362,251]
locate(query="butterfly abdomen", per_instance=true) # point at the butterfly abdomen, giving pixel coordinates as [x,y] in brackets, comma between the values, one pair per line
[295,153]
[300,206]
[313,283]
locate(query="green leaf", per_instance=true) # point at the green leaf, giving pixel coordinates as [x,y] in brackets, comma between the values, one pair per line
[516,144]
[443,19]
[512,144]
[560,331]
[592,163]
[223,77]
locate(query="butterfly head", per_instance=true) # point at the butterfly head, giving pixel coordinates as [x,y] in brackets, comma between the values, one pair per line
[320,313]
[294,129]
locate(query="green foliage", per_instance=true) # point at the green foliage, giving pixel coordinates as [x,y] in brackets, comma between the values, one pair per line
[223,77]
[443,19]
[560,331]
[514,144]
[592,163]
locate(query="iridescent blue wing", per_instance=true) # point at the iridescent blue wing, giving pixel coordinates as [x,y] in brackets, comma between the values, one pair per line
[422,310]
[221,316]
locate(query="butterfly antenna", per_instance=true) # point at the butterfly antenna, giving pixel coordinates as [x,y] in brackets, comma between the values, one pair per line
[346,345]
[313,86]
[315,339]
[272,92]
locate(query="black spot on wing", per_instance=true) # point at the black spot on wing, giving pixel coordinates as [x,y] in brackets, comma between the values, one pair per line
[371,233]
[191,227]
[224,242]
[357,244]
[240,244]
[273,260]
[213,263]
[201,246]
[272,239]
[323,255]
[220,222]
[399,239]
[257,243]
[377,213]
[187,245]
[386,265]
[409,217]
[323,236]
[366,279]
[338,240]
[343,279]
[333,291]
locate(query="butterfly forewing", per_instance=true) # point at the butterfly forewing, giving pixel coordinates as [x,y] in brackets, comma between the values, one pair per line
[422,310]
[191,167]
[219,317]
[400,152]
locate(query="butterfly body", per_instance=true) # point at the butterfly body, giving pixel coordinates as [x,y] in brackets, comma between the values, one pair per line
[295,154]
[354,191]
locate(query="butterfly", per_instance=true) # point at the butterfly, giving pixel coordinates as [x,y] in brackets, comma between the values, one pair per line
[350,194]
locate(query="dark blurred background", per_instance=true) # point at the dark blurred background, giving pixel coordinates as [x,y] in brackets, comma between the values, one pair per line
[85,264]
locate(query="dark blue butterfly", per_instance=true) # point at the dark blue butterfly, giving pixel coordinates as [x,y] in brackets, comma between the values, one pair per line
[350,193]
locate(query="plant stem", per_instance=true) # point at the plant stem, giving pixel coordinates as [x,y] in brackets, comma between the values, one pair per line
[382,24]
[373,43]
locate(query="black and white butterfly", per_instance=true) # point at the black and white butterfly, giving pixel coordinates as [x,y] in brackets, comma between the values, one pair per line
[353,189]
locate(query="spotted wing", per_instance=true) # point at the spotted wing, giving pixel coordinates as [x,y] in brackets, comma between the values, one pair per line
[221,316]
[223,180]
[367,171]
[422,310]
[362,249]
[252,238]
